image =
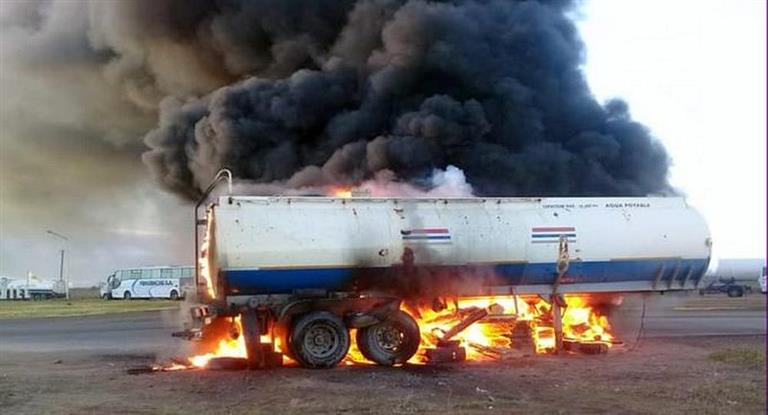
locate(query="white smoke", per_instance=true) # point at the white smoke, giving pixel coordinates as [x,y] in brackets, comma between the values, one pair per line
[450,182]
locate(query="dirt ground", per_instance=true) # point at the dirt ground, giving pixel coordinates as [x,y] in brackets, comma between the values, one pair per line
[682,375]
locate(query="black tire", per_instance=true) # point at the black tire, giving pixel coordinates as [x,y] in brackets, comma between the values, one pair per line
[174,295]
[319,340]
[392,341]
[127,295]
[735,292]
[285,345]
[106,297]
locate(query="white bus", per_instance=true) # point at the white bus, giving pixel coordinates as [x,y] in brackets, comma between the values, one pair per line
[148,282]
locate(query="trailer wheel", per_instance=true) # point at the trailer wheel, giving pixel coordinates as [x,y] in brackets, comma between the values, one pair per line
[127,295]
[735,292]
[391,342]
[319,340]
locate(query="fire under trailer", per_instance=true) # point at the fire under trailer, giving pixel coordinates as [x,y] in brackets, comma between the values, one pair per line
[301,272]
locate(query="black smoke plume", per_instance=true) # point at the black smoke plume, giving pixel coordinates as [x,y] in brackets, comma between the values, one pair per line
[493,87]
[311,93]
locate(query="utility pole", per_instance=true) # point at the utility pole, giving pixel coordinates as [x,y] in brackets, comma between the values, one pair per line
[61,266]
[61,262]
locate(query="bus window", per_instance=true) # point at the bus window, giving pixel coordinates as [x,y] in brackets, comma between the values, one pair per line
[135,274]
[152,273]
[166,273]
[187,273]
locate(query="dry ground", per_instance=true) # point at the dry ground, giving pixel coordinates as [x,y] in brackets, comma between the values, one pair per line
[684,375]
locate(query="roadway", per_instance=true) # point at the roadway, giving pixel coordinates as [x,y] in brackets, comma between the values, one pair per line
[127,332]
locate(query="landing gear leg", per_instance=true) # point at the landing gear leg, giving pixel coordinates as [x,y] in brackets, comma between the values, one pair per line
[557,301]
[252,334]
[256,323]
[557,319]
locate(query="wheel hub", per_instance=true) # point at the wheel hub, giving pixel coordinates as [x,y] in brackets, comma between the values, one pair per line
[321,340]
[389,337]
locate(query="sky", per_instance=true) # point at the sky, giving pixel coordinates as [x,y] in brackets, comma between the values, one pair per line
[693,71]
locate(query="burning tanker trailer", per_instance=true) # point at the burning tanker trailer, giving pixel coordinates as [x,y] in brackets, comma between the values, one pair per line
[429,279]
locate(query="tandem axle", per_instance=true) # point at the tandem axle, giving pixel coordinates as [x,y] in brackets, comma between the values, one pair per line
[313,331]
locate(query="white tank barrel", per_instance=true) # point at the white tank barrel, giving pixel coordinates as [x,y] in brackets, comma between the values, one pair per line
[464,246]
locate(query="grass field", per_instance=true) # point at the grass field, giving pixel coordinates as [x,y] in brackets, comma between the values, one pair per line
[747,357]
[79,307]
[694,302]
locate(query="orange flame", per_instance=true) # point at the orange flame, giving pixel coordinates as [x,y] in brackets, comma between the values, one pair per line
[230,346]
[203,261]
[581,323]
[344,192]
[483,340]
[233,345]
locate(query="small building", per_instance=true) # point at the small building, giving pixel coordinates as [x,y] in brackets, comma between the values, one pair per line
[31,288]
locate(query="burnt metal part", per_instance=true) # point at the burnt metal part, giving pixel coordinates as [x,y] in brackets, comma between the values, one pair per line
[563,262]
[379,306]
[445,355]
[557,319]
[498,353]
[448,343]
[227,363]
[360,320]
[189,334]
[252,329]
[375,315]
[585,347]
[467,321]
[260,355]
[273,358]
[521,338]
[140,370]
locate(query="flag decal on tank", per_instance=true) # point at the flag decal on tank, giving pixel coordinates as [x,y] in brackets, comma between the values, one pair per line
[426,235]
[551,234]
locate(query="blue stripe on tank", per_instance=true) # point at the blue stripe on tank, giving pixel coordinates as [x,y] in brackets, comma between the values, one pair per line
[273,281]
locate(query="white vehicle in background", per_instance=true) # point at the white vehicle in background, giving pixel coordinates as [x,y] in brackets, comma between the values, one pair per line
[762,281]
[31,288]
[148,282]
